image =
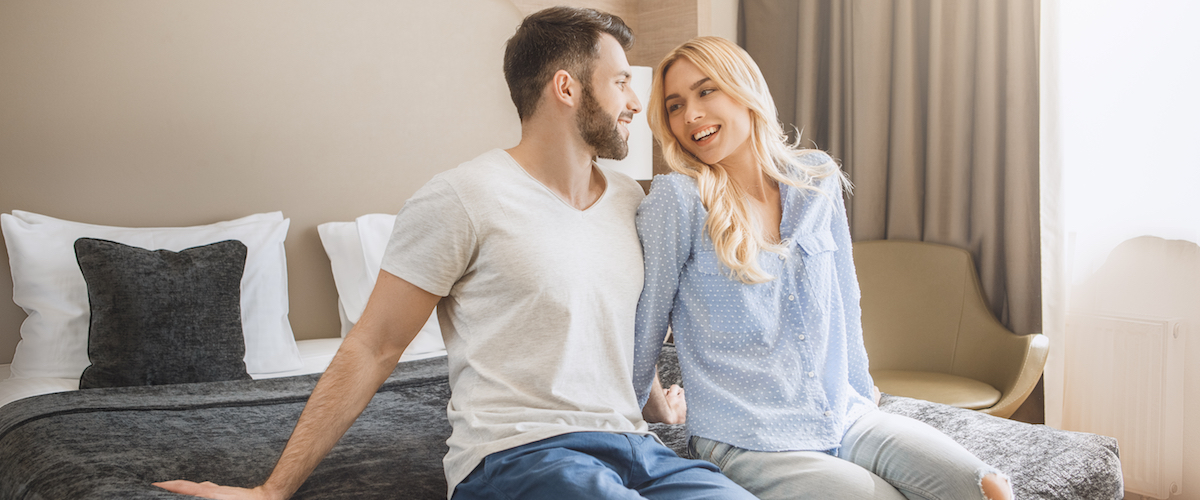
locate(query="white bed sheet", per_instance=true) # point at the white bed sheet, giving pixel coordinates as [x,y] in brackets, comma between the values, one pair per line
[315,353]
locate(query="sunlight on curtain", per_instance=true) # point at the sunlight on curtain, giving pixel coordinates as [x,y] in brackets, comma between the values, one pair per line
[1120,126]
[1130,104]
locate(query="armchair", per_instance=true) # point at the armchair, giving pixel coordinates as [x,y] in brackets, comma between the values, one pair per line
[930,335]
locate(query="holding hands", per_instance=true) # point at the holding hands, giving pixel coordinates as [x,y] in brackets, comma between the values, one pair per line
[667,406]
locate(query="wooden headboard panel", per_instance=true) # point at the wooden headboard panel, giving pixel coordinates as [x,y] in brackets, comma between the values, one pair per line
[151,113]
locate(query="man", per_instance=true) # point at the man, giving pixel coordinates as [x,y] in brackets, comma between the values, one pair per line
[533,256]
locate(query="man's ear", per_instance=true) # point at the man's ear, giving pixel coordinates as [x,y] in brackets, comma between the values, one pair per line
[564,88]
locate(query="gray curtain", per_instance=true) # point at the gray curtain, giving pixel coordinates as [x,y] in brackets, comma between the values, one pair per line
[932,108]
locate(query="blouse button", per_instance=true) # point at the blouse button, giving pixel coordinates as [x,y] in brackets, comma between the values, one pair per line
[781,257]
[801,337]
[828,414]
[812,374]
[791,297]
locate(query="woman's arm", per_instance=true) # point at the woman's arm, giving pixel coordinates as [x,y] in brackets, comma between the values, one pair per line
[664,228]
[860,376]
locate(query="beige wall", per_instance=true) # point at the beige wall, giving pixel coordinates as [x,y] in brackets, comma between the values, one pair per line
[718,18]
[150,113]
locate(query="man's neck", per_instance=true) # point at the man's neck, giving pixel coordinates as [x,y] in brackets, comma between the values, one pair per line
[559,158]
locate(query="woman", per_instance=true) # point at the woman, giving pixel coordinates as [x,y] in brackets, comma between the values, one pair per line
[748,260]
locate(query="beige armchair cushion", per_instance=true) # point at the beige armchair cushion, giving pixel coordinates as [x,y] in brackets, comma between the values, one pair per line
[929,333]
[937,387]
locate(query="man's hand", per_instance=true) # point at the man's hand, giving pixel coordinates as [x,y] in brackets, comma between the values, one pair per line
[210,490]
[665,406]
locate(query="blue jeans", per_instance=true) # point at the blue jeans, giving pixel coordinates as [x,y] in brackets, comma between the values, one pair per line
[584,465]
[882,456]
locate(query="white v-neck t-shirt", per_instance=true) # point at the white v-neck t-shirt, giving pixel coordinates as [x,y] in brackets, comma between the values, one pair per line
[538,303]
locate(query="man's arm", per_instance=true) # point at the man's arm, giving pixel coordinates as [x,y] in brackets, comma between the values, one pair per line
[394,314]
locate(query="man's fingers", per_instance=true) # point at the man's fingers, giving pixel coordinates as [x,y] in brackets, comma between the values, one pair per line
[207,489]
[179,486]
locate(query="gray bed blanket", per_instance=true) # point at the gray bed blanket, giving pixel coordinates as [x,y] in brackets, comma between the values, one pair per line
[112,443]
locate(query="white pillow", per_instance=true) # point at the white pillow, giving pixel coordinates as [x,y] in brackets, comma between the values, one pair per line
[355,251]
[48,285]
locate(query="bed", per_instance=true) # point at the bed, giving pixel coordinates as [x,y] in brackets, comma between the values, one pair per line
[140,122]
[114,442]
[137,410]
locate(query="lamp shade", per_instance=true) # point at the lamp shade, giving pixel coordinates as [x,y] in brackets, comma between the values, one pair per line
[639,164]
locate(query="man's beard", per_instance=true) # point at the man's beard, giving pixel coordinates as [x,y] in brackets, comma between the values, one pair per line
[599,129]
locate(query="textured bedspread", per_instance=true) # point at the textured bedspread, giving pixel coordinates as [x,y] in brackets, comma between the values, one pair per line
[112,443]
[1043,462]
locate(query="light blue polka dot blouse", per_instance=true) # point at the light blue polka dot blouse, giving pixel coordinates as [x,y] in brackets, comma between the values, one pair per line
[777,366]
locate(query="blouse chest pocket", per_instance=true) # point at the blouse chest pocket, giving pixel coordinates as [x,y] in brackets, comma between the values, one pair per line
[730,305]
[820,272]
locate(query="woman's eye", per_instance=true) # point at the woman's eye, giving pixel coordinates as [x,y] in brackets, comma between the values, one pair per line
[706,92]
[673,107]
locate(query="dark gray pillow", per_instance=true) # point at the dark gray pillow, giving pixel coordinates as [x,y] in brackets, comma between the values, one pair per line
[163,317]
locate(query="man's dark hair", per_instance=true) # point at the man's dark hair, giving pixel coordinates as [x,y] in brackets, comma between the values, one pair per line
[553,39]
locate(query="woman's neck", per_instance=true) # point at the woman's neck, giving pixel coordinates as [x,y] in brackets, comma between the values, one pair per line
[762,196]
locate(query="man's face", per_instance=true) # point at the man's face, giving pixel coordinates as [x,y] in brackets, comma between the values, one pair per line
[607,103]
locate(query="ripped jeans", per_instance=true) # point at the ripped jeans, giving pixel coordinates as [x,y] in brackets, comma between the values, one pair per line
[882,456]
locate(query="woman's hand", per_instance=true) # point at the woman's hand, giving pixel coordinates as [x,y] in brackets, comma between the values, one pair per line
[665,406]
[875,394]
[676,407]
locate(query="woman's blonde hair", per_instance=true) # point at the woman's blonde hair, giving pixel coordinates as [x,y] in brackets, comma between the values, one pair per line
[736,234]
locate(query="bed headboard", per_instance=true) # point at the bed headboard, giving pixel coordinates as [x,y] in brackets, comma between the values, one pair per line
[150,113]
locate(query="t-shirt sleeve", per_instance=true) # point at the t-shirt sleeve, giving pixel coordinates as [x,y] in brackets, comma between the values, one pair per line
[433,241]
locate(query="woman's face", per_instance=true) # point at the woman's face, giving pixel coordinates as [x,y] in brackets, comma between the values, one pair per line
[708,122]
